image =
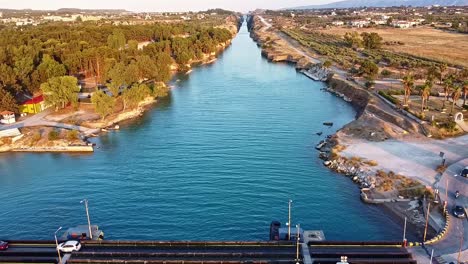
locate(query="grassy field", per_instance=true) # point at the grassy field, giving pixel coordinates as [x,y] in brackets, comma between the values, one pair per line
[422,42]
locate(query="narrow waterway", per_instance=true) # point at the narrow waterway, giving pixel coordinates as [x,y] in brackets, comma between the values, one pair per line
[217,160]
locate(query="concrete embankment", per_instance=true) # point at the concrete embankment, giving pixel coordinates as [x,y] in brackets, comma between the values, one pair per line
[55,149]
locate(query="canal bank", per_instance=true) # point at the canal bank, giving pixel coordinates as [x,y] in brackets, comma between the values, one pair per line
[216,160]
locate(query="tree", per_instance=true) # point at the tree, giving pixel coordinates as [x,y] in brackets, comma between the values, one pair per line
[448,85]
[442,69]
[425,93]
[408,83]
[132,45]
[116,40]
[455,96]
[50,68]
[433,73]
[60,91]
[465,91]
[371,40]
[103,103]
[353,40]
[369,69]
[327,64]
[7,101]
[135,94]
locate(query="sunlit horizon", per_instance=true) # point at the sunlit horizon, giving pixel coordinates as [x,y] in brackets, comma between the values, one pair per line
[159,6]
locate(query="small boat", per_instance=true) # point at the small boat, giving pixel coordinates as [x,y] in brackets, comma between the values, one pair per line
[319,133]
[81,232]
[328,123]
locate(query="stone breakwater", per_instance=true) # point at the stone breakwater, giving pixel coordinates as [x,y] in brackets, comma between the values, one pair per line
[317,72]
[362,176]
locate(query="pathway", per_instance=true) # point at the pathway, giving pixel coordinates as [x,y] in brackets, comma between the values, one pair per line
[38,120]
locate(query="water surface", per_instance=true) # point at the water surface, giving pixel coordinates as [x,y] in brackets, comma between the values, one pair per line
[218,159]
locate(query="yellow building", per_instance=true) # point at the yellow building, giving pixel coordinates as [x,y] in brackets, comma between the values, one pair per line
[33,106]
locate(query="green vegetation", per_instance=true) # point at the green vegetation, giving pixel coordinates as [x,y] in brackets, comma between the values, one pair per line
[371,40]
[30,59]
[103,103]
[60,91]
[72,135]
[53,135]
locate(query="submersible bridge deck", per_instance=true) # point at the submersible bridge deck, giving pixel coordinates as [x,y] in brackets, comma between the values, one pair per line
[227,252]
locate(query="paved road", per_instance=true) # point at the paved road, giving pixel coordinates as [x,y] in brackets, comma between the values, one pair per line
[38,120]
[458,227]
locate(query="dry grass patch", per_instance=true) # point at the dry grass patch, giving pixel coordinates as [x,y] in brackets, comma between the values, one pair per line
[421,41]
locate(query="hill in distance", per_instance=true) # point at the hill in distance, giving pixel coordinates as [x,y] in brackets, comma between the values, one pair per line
[384,3]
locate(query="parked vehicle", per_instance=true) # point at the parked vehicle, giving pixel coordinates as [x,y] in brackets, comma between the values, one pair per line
[464,172]
[69,246]
[3,245]
[459,211]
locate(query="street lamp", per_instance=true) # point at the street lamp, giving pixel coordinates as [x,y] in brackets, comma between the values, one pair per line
[85,201]
[56,245]
[289,219]
[298,238]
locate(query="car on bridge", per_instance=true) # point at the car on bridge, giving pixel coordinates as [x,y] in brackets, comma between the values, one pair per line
[464,172]
[69,246]
[3,245]
[459,211]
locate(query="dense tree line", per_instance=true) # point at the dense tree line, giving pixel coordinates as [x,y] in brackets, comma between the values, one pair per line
[33,56]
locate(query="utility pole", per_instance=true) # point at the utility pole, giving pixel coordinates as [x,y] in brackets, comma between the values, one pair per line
[85,201]
[461,246]
[432,255]
[446,195]
[427,220]
[56,245]
[298,227]
[289,219]
[404,234]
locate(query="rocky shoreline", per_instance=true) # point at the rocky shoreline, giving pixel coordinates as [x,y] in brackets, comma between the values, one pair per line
[373,122]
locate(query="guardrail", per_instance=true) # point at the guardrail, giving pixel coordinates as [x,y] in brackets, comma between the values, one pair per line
[187,243]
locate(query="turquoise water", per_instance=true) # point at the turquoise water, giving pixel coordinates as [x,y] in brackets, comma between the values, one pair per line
[218,159]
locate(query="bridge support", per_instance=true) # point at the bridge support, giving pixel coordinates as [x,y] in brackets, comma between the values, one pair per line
[306,254]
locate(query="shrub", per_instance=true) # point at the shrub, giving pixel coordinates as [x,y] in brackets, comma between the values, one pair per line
[389,97]
[386,73]
[36,137]
[53,135]
[72,135]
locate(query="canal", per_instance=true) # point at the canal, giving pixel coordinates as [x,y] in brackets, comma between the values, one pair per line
[217,160]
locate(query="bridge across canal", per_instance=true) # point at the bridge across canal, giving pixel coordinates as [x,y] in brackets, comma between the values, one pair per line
[235,252]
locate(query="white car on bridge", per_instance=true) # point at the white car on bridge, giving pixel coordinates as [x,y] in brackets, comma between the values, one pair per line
[69,246]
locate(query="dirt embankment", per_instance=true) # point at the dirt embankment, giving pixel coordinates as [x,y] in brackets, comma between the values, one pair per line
[273,47]
[375,121]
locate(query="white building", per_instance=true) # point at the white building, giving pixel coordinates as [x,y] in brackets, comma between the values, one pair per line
[359,23]
[401,24]
[338,23]
[7,117]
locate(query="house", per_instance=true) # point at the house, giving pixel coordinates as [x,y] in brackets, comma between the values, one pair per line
[33,105]
[359,23]
[338,23]
[401,24]
[7,117]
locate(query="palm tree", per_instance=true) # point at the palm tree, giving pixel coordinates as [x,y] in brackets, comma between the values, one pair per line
[425,93]
[442,68]
[408,83]
[448,85]
[465,91]
[455,96]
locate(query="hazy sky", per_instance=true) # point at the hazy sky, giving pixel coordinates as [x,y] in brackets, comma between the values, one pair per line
[158,5]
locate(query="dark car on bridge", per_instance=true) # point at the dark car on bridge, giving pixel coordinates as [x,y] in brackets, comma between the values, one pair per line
[459,211]
[3,245]
[464,172]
